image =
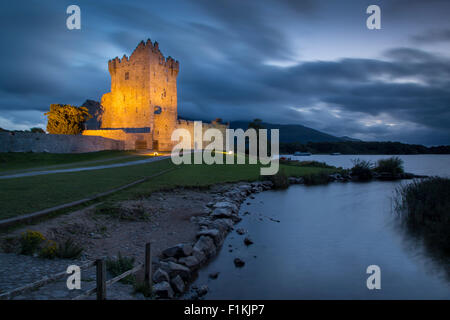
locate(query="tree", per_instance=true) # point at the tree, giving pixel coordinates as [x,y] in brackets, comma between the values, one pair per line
[37,130]
[66,119]
[256,124]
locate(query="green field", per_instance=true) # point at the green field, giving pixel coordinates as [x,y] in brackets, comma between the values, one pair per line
[11,162]
[29,194]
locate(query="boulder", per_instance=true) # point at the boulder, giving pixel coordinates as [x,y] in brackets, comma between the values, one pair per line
[239,263]
[222,213]
[226,204]
[248,241]
[191,262]
[202,290]
[160,276]
[177,284]
[215,234]
[199,255]
[163,290]
[206,245]
[178,251]
[174,269]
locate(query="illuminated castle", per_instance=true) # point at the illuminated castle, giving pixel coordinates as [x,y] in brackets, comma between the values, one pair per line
[141,108]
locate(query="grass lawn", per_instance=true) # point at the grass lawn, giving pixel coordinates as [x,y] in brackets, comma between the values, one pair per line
[20,161]
[30,194]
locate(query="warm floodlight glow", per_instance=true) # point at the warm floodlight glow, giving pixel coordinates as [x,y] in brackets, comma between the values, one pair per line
[230,152]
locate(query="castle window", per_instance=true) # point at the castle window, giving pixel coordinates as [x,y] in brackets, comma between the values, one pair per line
[127,75]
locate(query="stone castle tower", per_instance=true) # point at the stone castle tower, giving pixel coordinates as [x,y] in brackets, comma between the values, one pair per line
[143,94]
[141,108]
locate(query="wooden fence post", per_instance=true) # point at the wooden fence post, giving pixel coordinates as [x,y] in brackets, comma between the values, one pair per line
[101,279]
[148,265]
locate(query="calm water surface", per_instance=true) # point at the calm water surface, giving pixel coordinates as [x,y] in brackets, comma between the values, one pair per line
[326,238]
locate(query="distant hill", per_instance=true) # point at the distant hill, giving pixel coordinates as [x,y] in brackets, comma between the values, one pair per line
[345,138]
[294,132]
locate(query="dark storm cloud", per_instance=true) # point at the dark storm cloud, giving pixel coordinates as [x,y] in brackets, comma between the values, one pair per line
[229,51]
[432,36]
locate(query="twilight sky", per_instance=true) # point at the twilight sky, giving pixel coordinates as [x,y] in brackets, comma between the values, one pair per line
[309,62]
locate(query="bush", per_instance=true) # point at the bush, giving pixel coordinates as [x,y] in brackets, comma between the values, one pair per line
[49,251]
[316,178]
[144,288]
[136,213]
[69,250]
[30,242]
[120,265]
[361,169]
[279,180]
[393,166]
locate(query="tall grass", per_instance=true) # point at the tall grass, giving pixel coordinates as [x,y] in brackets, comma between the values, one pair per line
[424,208]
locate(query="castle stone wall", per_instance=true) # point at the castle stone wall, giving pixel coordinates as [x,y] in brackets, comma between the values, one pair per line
[55,143]
[189,126]
[131,141]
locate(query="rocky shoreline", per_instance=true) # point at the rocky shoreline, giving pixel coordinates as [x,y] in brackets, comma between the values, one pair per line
[177,265]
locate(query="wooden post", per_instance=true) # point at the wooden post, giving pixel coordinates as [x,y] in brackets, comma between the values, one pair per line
[148,265]
[101,279]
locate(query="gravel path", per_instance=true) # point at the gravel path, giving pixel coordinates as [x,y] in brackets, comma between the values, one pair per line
[107,166]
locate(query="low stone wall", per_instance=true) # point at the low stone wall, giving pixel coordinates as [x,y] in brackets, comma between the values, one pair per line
[55,143]
[128,138]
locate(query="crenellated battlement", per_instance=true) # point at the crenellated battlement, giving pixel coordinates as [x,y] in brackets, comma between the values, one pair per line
[143,49]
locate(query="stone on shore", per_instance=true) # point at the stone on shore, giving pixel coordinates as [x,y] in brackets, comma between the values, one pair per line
[191,262]
[175,269]
[163,290]
[215,234]
[239,263]
[178,284]
[206,245]
[178,251]
[160,276]
[226,204]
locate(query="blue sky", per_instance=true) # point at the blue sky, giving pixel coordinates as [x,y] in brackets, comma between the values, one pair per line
[308,62]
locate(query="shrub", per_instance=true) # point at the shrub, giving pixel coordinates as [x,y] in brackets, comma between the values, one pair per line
[142,287]
[120,265]
[30,242]
[279,180]
[136,213]
[49,251]
[361,169]
[393,166]
[316,178]
[69,250]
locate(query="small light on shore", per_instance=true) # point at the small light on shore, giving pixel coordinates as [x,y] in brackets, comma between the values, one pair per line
[230,152]
[155,153]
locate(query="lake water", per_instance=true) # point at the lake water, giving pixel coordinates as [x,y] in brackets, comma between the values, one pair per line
[326,238]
